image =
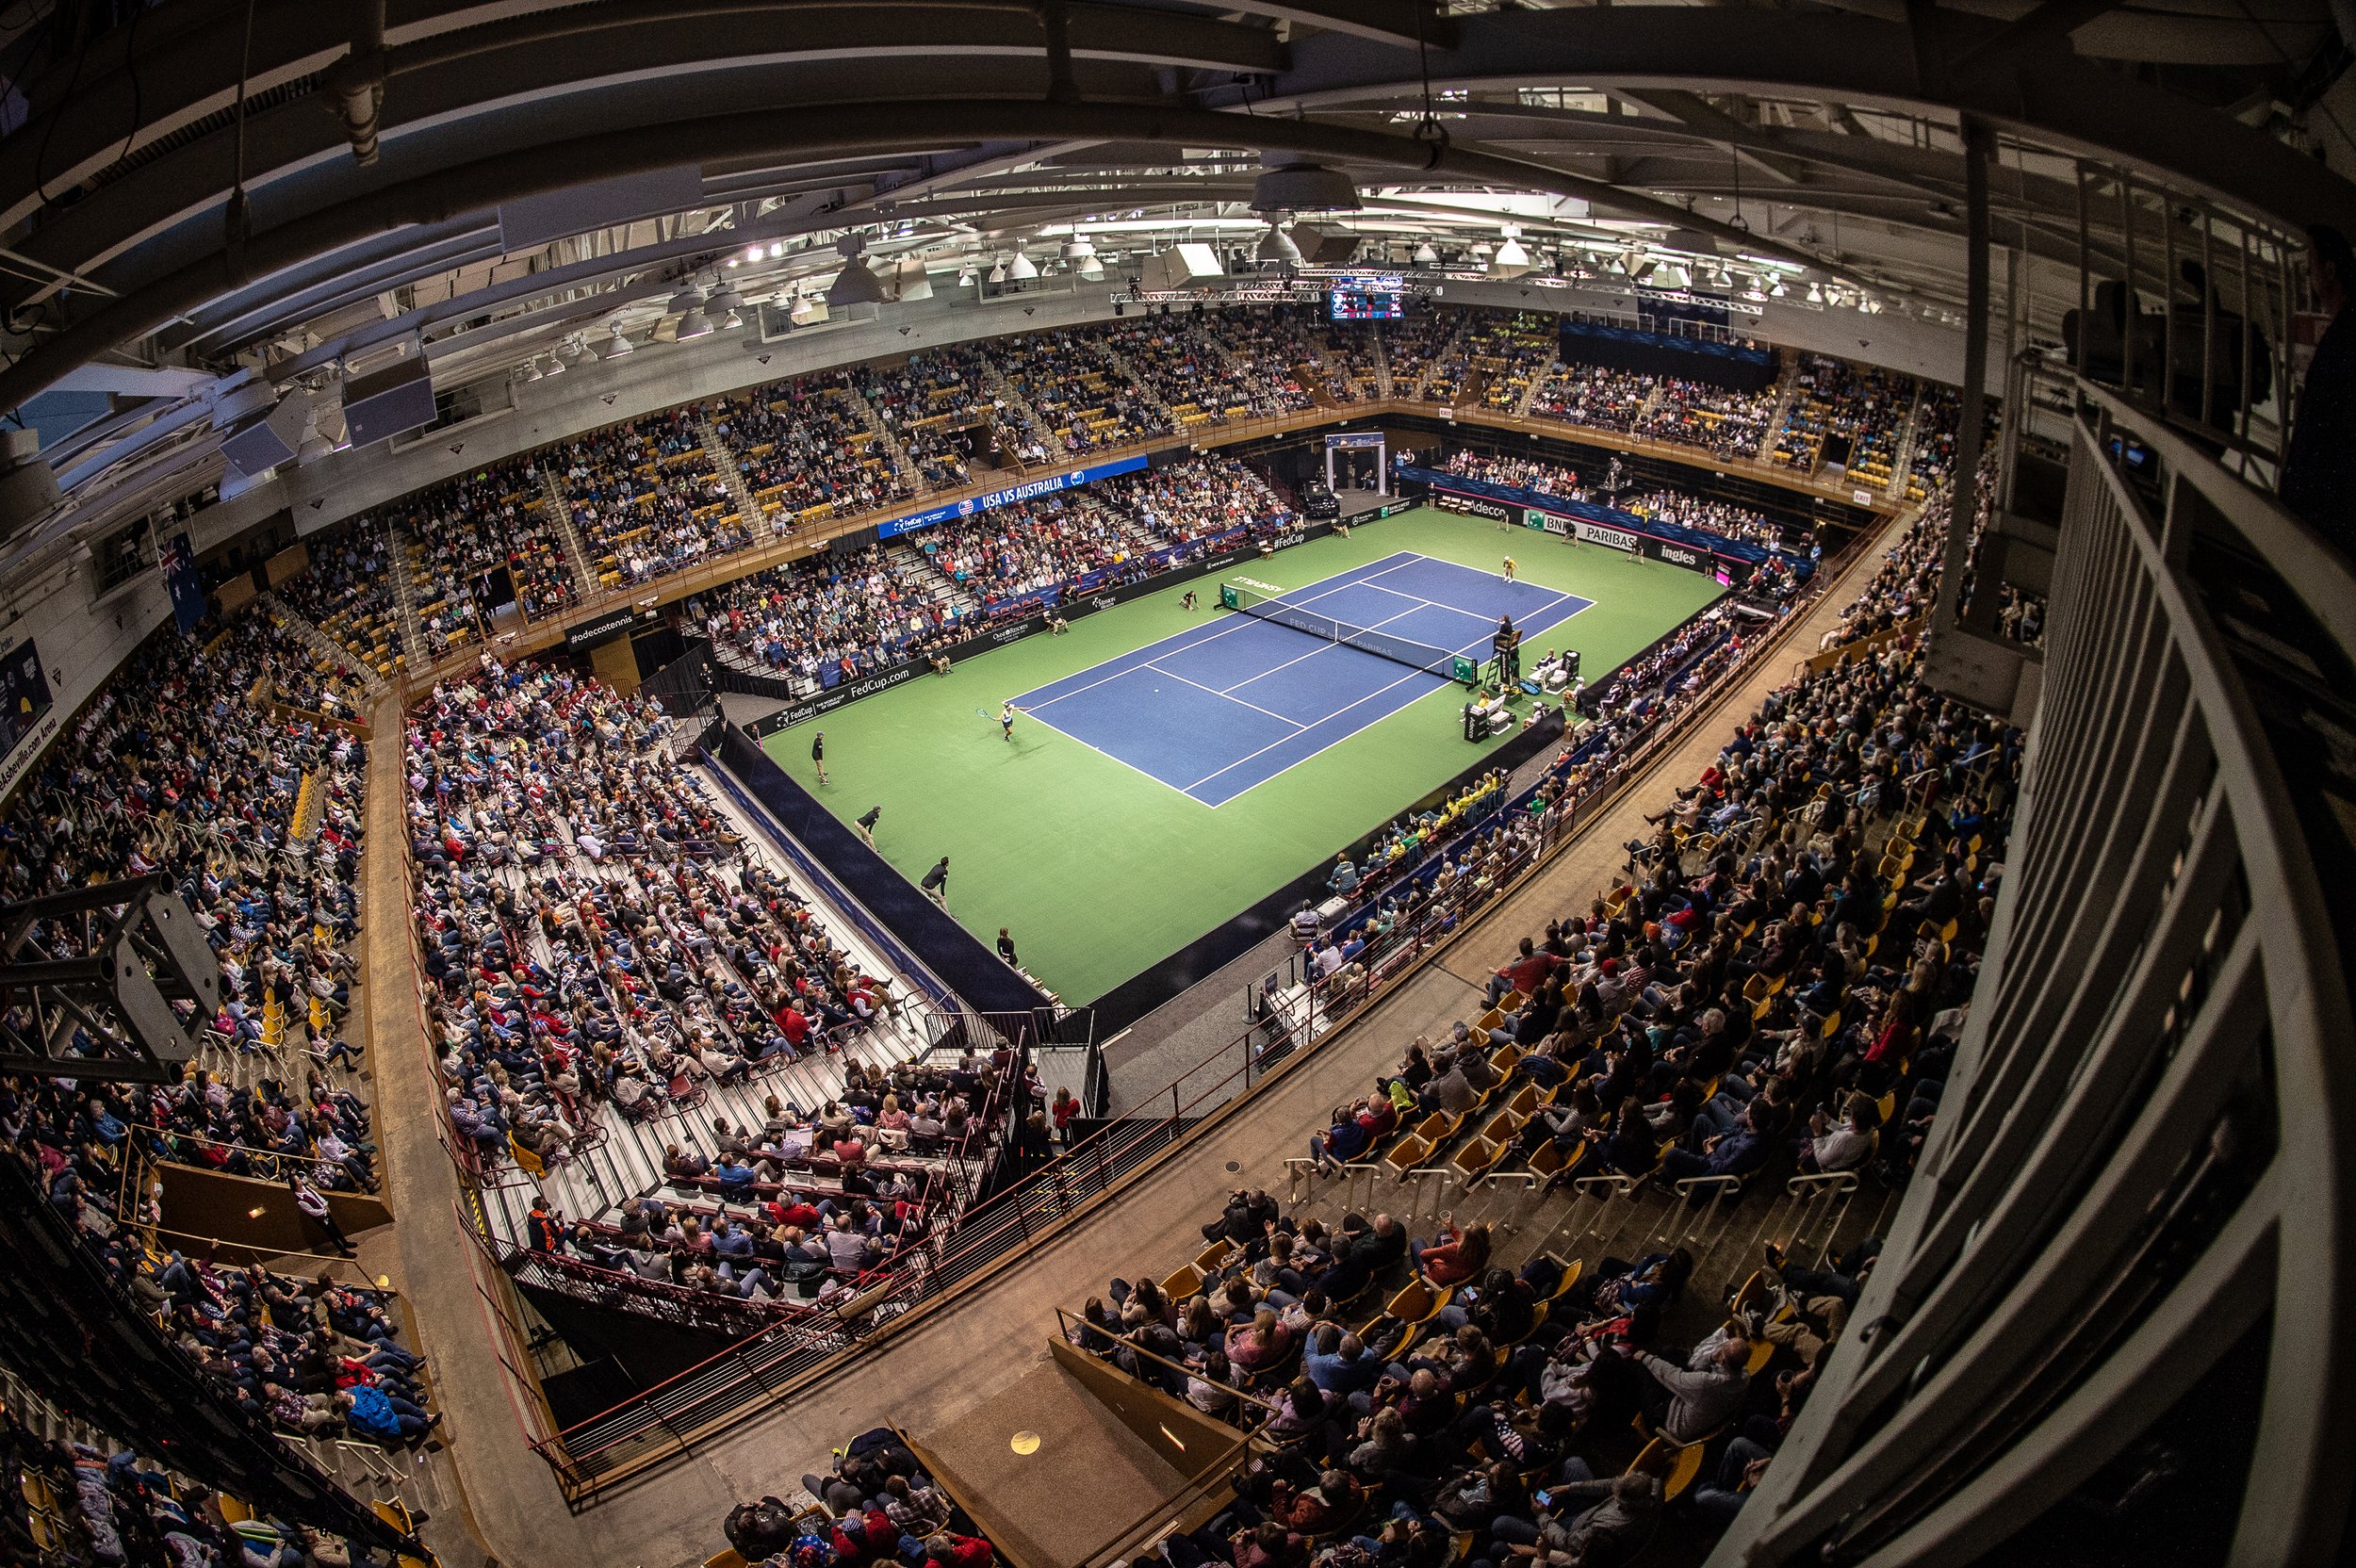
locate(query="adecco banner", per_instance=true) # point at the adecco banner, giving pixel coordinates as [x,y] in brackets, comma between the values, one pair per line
[1028,490]
[1478,506]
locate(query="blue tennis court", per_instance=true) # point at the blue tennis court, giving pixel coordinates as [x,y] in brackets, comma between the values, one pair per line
[1229,704]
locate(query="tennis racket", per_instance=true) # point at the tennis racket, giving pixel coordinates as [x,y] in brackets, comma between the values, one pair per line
[984,714]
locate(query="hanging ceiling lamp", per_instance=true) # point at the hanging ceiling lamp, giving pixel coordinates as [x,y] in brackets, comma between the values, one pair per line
[998,271]
[1022,268]
[1510,260]
[687,299]
[693,325]
[617,345]
[914,281]
[1426,255]
[1277,246]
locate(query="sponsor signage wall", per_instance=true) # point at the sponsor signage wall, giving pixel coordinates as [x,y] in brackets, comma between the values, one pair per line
[1028,490]
[1478,506]
[1732,560]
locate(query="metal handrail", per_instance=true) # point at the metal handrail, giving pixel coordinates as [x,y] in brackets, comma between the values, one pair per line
[2161,1045]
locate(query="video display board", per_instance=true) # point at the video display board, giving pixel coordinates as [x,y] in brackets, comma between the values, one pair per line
[1368,297]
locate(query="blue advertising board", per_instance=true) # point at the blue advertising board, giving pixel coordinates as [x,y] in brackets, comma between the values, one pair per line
[1028,490]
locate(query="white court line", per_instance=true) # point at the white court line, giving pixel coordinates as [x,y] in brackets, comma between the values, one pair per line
[1279,718]
[1323,749]
[1237,624]
[1111,758]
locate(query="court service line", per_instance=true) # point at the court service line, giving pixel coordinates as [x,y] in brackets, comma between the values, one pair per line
[1280,773]
[1279,718]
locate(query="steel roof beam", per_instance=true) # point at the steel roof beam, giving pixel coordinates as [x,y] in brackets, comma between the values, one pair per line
[827,131]
[182,77]
[2056,99]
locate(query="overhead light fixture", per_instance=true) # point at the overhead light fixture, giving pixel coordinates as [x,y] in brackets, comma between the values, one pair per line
[914,281]
[805,311]
[1675,276]
[532,368]
[856,285]
[753,254]
[965,276]
[1510,260]
[1091,267]
[616,345]
[1304,187]
[1277,246]
[727,300]
[1426,255]
[1781,291]
[1078,247]
[1022,268]
[998,272]
[776,249]
[556,365]
[687,299]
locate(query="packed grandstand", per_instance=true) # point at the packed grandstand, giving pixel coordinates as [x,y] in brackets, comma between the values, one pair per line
[684,1083]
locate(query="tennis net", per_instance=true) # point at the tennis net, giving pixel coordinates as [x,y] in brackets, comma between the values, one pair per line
[1400,650]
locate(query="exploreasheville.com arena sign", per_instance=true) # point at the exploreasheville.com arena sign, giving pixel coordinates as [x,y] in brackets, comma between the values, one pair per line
[1028,490]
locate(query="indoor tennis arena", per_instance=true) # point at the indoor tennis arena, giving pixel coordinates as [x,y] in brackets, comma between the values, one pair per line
[1153,784]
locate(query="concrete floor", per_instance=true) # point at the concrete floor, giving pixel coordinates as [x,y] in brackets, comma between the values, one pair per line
[953,1360]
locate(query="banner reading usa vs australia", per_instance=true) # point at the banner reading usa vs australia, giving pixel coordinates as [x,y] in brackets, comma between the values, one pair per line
[1029,490]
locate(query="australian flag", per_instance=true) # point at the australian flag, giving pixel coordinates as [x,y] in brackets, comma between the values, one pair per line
[179,561]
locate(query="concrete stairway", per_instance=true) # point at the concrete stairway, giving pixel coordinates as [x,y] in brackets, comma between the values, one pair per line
[1786,388]
[1381,365]
[912,564]
[319,642]
[1452,348]
[409,555]
[887,443]
[1537,384]
[1903,466]
[722,458]
[1122,362]
[1004,391]
[561,520]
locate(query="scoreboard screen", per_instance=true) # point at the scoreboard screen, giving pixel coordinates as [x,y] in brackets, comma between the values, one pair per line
[1376,297]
